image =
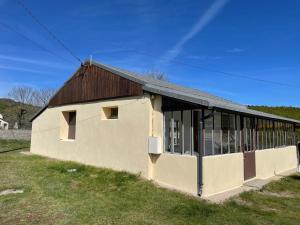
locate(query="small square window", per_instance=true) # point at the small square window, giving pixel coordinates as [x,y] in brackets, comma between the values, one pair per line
[110,113]
[114,113]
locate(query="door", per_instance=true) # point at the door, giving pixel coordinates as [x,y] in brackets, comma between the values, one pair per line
[248,143]
[249,165]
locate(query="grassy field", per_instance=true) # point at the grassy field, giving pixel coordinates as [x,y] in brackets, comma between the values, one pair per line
[52,195]
[13,145]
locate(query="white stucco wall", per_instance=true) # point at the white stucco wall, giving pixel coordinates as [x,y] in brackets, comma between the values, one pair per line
[171,170]
[119,144]
[176,172]
[122,144]
[270,162]
[222,172]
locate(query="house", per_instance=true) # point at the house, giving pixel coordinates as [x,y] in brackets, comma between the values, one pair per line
[179,137]
[3,124]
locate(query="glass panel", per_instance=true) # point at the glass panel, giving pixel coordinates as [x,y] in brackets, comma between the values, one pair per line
[232,128]
[225,129]
[238,133]
[246,135]
[275,134]
[168,116]
[208,123]
[196,129]
[187,124]
[271,134]
[280,133]
[249,136]
[267,134]
[177,131]
[217,133]
[217,142]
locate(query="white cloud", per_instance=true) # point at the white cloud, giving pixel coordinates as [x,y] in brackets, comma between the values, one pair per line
[34,61]
[21,69]
[202,22]
[203,57]
[235,50]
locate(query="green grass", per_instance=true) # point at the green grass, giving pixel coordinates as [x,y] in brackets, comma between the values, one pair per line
[101,196]
[13,145]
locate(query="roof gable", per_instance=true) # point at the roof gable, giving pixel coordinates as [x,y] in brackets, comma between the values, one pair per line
[91,83]
[95,81]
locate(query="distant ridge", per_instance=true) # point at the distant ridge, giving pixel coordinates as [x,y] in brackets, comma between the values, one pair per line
[10,109]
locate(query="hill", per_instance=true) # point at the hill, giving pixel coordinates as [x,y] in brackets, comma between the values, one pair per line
[290,112]
[285,111]
[10,110]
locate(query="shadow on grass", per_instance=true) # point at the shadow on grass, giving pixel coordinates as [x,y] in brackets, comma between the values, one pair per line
[295,177]
[16,149]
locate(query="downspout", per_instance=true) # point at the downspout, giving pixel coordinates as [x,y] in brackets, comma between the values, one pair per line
[200,158]
[201,152]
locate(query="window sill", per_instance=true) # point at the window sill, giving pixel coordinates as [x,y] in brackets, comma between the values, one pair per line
[67,140]
[110,119]
[179,154]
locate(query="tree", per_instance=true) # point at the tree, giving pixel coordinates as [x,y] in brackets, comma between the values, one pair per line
[41,97]
[28,95]
[27,99]
[22,94]
[156,74]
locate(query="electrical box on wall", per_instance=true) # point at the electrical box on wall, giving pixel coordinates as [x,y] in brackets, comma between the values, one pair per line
[154,145]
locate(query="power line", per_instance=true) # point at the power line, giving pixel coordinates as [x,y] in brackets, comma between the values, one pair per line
[32,41]
[228,74]
[51,34]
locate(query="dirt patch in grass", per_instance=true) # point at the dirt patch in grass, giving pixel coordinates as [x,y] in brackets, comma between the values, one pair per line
[278,194]
[242,202]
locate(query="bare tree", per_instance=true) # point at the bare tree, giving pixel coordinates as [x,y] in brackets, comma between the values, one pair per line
[41,97]
[22,94]
[26,97]
[156,74]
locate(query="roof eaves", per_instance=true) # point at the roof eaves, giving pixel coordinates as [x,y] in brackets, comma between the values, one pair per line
[119,72]
[38,113]
[175,94]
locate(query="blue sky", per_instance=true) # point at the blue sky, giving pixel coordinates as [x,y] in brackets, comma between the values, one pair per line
[258,39]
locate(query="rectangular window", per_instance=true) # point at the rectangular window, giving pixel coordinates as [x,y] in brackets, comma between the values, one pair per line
[249,134]
[72,125]
[271,135]
[217,133]
[110,113]
[238,133]
[187,131]
[173,131]
[232,133]
[168,131]
[177,137]
[208,124]
[114,113]
[197,140]
[225,132]
[68,126]
[275,134]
